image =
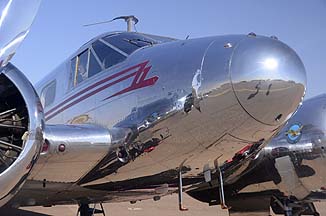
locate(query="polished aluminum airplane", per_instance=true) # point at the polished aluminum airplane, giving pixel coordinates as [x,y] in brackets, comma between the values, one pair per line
[129,115]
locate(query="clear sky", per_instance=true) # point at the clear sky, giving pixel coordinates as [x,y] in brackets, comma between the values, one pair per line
[57,31]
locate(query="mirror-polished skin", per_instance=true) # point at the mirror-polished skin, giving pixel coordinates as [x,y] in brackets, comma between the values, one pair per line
[288,173]
[21,113]
[16,18]
[168,105]
[192,112]
[21,131]
[128,112]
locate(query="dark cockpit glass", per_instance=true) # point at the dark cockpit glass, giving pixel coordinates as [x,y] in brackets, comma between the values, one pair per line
[94,66]
[108,51]
[130,42]
[107,56]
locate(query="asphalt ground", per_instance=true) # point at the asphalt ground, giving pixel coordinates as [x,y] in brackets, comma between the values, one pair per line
[167,206]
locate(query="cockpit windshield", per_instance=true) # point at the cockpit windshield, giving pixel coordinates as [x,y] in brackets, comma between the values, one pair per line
[160,39]
[107,51]
[130,42]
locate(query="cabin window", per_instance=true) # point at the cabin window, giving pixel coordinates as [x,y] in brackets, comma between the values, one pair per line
[48,94]
[107,55]
[128,43]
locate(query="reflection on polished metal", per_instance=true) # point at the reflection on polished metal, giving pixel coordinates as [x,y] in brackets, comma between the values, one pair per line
[180,190]
[77,141]
[290,170]
[16,17]
[261,70]
[221,185]
[84,147]
[19,146]
[181,102]
[164,116]
[307,154]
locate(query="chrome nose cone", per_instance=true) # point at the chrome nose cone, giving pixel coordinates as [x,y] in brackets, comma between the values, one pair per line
[268,79]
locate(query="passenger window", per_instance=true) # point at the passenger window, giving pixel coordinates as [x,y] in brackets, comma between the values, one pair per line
[48,94]
[107,55]
[82,72]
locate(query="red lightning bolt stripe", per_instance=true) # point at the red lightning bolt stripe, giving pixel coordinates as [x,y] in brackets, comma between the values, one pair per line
[92,89]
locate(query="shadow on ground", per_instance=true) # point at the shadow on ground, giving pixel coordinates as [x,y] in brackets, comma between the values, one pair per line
[19,212]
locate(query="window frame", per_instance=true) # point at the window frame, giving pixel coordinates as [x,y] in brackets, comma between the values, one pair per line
[113,47]
[44,92]
[97,58]
[90,51]
[142,37]
[74,74]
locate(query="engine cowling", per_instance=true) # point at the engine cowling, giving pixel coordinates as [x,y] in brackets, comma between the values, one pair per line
[21,130]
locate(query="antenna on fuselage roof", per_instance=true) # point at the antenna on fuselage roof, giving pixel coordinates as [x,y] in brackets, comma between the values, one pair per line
[130,20]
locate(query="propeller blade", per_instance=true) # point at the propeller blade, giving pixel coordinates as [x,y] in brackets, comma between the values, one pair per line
[16,18]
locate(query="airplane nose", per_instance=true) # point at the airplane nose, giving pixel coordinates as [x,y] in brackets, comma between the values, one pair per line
[268,79]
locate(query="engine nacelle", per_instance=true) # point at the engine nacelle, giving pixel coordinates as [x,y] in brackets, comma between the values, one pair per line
[299,152]
[21,130]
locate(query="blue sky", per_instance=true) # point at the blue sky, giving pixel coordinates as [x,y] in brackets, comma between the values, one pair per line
[57,31]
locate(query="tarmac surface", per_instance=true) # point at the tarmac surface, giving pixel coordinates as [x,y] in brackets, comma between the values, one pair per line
[167,206]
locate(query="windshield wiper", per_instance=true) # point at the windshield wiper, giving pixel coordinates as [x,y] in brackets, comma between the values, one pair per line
[145,41]
[134,41]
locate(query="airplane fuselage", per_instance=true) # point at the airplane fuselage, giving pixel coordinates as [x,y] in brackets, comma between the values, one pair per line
[184,105]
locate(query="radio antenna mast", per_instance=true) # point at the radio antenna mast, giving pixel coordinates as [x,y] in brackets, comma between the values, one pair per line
[130,20]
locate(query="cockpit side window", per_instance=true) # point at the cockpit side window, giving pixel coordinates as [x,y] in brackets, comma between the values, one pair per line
[128,43]
[107,55]
[48,94]
[93,60]
[82,67]
[73,65]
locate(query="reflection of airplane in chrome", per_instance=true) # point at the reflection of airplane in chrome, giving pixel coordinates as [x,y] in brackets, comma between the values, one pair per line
[288,175]
[133,116]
